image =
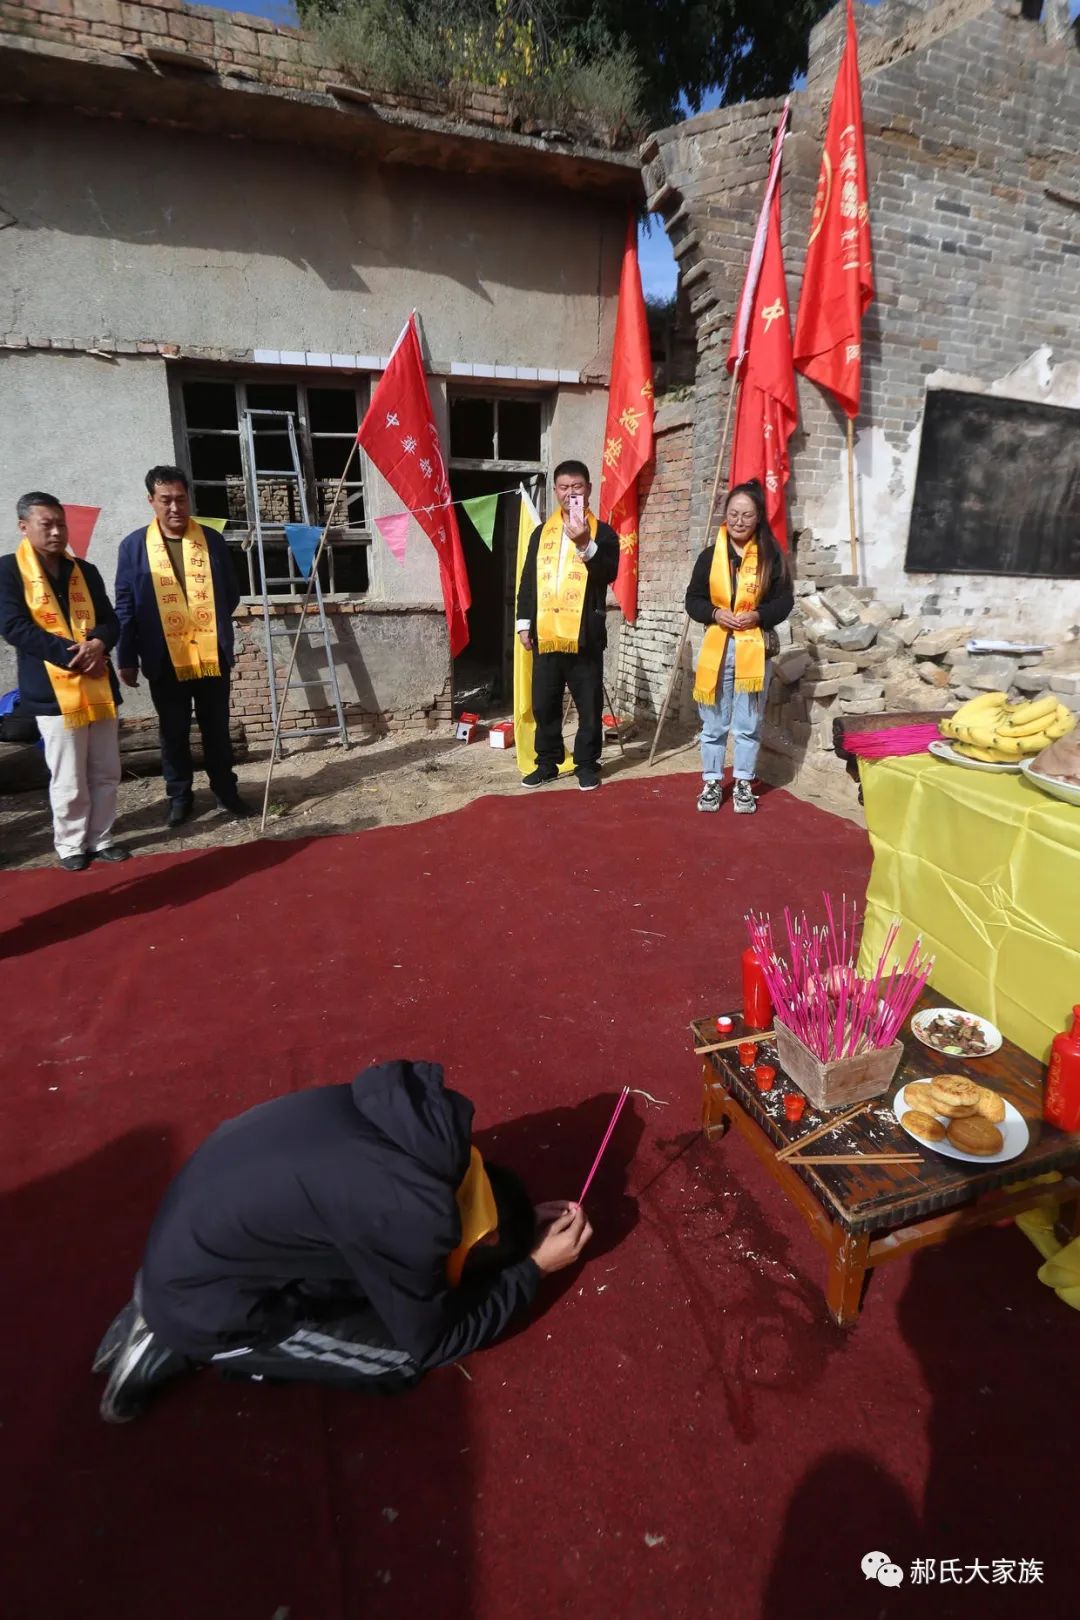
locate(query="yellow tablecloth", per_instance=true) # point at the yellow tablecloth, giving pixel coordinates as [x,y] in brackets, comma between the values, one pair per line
[986,868]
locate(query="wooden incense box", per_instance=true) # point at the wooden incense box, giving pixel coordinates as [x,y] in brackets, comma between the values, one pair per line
[842,1082]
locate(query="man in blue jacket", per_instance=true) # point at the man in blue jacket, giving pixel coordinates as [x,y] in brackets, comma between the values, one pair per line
[175,596]
[55,613]
[348,1234]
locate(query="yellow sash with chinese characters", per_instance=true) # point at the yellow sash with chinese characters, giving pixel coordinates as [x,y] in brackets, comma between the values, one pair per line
[82,698]
[188,620]
[749,644]
[561,578]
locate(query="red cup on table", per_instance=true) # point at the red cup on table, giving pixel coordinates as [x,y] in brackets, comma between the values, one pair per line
[765,1076]
[794,1106]
[747,1053]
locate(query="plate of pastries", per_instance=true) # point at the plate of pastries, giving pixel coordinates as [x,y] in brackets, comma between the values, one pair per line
[962,1119]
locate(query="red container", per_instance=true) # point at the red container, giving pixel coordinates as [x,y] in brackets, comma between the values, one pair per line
[724,1026]
[747,1053]
[756,1005]
[794,1106]
[765,1075]
[1061,1098]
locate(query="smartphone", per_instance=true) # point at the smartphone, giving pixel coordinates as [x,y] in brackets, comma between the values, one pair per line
[577,509]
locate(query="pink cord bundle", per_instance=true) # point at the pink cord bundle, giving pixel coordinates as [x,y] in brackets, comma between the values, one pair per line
[888,743]
[817,992]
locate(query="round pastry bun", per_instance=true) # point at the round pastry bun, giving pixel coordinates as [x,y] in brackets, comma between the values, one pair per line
[975,1135]
[917,1095]
[955,1096]
[990,1106]
[924,1125]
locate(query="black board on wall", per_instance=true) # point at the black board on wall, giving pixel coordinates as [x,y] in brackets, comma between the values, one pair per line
[998,488]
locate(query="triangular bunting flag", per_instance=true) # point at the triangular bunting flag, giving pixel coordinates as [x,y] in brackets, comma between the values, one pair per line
[80,527]
[212,523]
[481,510]
[303,541]
[393,530]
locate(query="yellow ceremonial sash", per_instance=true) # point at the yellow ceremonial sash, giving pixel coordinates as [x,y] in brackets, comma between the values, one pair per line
[82,698]
[749,644]
[478,1212]
[188,620]
[560,590]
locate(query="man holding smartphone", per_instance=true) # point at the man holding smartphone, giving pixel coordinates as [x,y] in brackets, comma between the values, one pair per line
[562,621]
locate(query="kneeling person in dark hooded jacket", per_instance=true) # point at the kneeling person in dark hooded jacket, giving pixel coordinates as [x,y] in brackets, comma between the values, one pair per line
[348,1234]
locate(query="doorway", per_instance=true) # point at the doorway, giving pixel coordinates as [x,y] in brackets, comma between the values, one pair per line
[484,671]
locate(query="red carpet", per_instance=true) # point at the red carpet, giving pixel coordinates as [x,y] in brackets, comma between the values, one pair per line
[679,1432]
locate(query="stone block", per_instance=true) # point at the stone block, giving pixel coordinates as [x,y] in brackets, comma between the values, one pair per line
[820,689]
[960,674]
[862,705]
[872,657]
[1067,681]
[909,629]
[783,634]
[805,587]
[814,615]
[857,689]
[877,614]
[845,608]
[932,674]
[840,671]
[994,674]
[852,637]
[895,610]
[1032,681]
[791,664]
[933,643]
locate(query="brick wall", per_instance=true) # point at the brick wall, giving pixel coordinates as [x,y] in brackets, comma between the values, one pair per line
[971,114]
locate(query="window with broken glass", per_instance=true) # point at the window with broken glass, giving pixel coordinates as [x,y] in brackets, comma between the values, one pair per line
[326,417]
[496,432]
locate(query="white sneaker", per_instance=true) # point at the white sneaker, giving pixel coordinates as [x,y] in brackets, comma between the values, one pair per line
[742,800]
[709,798]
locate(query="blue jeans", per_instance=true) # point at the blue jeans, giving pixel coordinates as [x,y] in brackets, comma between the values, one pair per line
[741,712]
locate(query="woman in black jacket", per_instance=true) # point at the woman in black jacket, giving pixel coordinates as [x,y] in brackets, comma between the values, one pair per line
[740,588]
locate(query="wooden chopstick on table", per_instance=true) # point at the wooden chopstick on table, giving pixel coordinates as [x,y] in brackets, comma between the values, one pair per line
[735,1040]
[795,1147]
[856,1158]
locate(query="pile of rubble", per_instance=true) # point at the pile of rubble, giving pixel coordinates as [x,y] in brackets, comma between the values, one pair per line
[844,651]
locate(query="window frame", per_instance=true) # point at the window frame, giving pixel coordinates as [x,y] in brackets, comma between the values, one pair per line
[498,463]
[242,537]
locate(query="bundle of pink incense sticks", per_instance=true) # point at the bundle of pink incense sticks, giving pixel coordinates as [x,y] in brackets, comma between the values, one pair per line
[818,994]
[888,743]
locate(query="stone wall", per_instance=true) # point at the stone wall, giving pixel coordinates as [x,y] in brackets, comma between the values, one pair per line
[971,112]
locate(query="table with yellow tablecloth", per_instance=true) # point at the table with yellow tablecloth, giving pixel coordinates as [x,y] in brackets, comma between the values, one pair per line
[986,867]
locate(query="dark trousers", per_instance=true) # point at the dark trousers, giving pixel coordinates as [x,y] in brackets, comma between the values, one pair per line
[174,701]
[583,673]
[346,1346]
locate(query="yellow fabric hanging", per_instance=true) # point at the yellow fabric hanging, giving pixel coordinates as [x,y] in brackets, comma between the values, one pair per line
[524,724]
[82,698]
[749,644]
[561,578]
[189,620]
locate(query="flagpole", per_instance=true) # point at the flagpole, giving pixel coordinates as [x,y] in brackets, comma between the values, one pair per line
[283,695]
[676,668]
[851,496]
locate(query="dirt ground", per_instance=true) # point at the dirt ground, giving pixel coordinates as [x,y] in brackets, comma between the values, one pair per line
[329,789]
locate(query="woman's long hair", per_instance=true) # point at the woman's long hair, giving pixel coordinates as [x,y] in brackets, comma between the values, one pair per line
[774,568]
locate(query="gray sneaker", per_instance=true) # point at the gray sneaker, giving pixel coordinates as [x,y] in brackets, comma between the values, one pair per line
[709,798]
[742,800]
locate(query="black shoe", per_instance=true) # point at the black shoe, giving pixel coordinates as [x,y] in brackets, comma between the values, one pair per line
[178,812]
[111,852]
[116,1337]
[541,775]
[140,1365]
[73,863]
[234,806]
[587,778]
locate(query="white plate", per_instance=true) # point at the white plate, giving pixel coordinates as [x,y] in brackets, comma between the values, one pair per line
[1051,784]
[1013,1128]
[943,750]
[989,1032]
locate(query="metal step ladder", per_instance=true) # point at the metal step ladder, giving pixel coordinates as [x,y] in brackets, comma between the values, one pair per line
[284,421]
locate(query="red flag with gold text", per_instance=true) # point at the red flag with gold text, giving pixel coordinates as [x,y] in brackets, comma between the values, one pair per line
[767,412]
[399,434]
[628,436]
[838,279]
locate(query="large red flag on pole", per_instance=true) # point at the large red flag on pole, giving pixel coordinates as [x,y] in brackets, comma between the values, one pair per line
[399,434]
[761,347]
[838,280]
[628,436]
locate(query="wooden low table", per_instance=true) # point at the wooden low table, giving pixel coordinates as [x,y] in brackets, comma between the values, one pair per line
[864,1216]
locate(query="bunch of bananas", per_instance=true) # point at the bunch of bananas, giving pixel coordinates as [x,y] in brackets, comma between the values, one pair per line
[991,728]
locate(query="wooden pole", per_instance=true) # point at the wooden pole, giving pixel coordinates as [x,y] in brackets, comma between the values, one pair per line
[676,668]
[851,496]
[283,695]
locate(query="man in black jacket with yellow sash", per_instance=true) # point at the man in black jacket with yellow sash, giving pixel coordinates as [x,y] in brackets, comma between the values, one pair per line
[562,621]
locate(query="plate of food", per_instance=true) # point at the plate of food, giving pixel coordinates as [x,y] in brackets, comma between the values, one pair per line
[943,750]
[957,1034]
[963,1120]
[1066,788]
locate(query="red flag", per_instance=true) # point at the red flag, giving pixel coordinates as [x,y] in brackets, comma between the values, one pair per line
[628,436]
[399,434]
[81,521]
[838,281]
[767,411]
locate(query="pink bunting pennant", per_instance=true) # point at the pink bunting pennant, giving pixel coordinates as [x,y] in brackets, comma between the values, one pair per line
[393,530]
[80,522]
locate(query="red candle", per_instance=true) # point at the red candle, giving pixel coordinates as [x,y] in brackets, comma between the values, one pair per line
[747,1053]
[757,1006]
[794,1106]
[765,1075]
[724,1026]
